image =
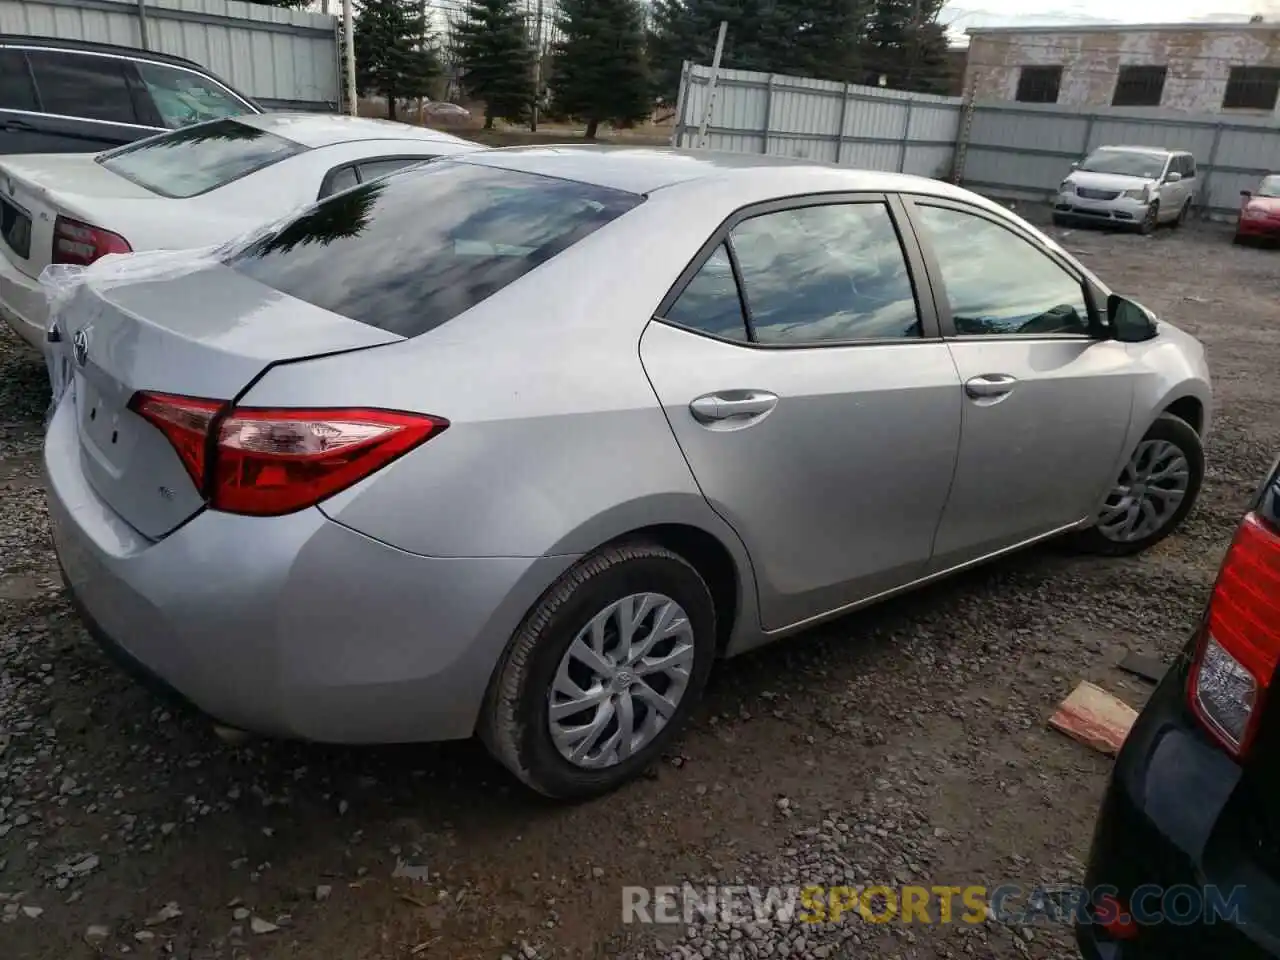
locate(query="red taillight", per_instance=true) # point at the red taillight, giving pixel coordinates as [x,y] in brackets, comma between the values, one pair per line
[82,243]
[1114,917]
[184,421]
[1240,649]
[268,462]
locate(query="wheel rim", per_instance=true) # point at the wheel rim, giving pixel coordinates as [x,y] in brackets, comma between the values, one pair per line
[620,681]
[1151,487]
[1153,214]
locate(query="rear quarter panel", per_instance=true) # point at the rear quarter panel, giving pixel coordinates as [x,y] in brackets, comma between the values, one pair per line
[556,442]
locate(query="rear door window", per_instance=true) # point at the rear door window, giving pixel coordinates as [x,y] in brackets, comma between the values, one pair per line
[183,97]
[373,169]
[83,85]
[411,252]
[200,158]
[17,92]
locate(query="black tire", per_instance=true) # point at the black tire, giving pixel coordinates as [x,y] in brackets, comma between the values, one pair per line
[1180,433]
[1151,220]
[514,725]
[1060,221]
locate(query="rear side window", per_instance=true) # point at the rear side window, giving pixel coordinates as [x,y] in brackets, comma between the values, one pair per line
[373,169]
[16,89]
[710,303]
[183,97]
[197,159]
[83,85]
[411,252]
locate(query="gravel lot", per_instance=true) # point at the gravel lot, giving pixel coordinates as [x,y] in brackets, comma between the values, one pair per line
[904,744]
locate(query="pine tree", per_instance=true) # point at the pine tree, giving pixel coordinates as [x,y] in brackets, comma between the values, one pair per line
[496,59]
[395,55]
[815,38]
[598,69]
[909,47]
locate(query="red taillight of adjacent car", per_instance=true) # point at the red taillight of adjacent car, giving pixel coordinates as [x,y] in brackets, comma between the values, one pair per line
[1240,647]
[265,462]
[82,243]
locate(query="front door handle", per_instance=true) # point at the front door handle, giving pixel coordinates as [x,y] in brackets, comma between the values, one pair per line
[17,126]
[990,385]
[732,404]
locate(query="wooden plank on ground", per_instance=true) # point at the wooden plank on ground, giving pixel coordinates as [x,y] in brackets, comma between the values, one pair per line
[1095,718]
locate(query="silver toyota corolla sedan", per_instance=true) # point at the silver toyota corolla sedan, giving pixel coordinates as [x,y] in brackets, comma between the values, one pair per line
[520,443]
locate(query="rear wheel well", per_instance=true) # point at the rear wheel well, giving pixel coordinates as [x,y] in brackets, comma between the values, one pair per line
[712,561]
[1190,410]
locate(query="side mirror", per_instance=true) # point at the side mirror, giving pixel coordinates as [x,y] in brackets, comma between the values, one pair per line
[1173,176]
[1075,165]
[1246,194]
[1130,321]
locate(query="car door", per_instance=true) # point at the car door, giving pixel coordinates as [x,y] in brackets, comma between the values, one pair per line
[88,101]
[1046,400]
[812,397]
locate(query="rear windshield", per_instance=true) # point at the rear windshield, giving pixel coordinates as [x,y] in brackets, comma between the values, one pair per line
[198,158]
[410,252]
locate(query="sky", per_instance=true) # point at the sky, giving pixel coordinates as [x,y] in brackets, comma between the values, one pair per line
[1012,12]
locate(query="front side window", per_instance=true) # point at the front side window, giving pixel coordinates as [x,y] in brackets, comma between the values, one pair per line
[1129,163]
[710,303]
[82,85]
[411,252]
[183,97]
[200,158]
[997,282]
[834,272]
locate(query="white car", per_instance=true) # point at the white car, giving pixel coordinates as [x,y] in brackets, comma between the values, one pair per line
[1138,187]
[198,186]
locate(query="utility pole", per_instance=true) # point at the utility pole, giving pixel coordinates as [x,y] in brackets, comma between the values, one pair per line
[349,35]
[537,71]
[711,85]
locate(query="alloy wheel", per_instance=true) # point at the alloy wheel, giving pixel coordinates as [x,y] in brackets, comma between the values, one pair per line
[621,680]
[1148,493]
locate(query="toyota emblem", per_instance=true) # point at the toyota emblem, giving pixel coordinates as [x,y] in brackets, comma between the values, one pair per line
[80,347]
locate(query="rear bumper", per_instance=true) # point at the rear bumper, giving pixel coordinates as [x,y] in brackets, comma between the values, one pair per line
[1167,822]
[23,304]
[293,626]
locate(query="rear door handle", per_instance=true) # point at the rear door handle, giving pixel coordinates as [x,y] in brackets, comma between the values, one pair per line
[17,126]
[990,385]
[732,404]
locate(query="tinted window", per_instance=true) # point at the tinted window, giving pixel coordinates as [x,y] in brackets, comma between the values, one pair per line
[373,169]
[82,85]
[1132,163]
[408,253]
[198,159]
[834,272]
[343,178]
[710,303]
[997,282]
[184,98]
[16,90]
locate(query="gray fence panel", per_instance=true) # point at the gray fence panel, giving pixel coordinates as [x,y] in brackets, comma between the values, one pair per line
[1014,150]
[283,57]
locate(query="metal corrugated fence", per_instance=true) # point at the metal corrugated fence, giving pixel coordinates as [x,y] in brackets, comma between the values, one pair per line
[281,58]
[848,124]
[1009,150]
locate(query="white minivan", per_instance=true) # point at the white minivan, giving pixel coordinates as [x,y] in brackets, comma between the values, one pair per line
[1138,187]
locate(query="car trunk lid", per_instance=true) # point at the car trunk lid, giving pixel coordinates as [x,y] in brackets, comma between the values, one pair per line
[207,334]
[36,189]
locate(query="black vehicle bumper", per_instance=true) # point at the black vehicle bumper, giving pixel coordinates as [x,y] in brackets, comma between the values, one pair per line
[1171,819]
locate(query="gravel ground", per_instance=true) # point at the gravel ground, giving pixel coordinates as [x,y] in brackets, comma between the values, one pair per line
[904,744]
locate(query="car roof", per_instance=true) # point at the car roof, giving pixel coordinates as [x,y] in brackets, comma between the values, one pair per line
[90,46]
[326,129]
[644,170]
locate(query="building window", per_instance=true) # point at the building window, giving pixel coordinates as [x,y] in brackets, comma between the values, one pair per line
[1252,88]
[1039,84]
[1139,87]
